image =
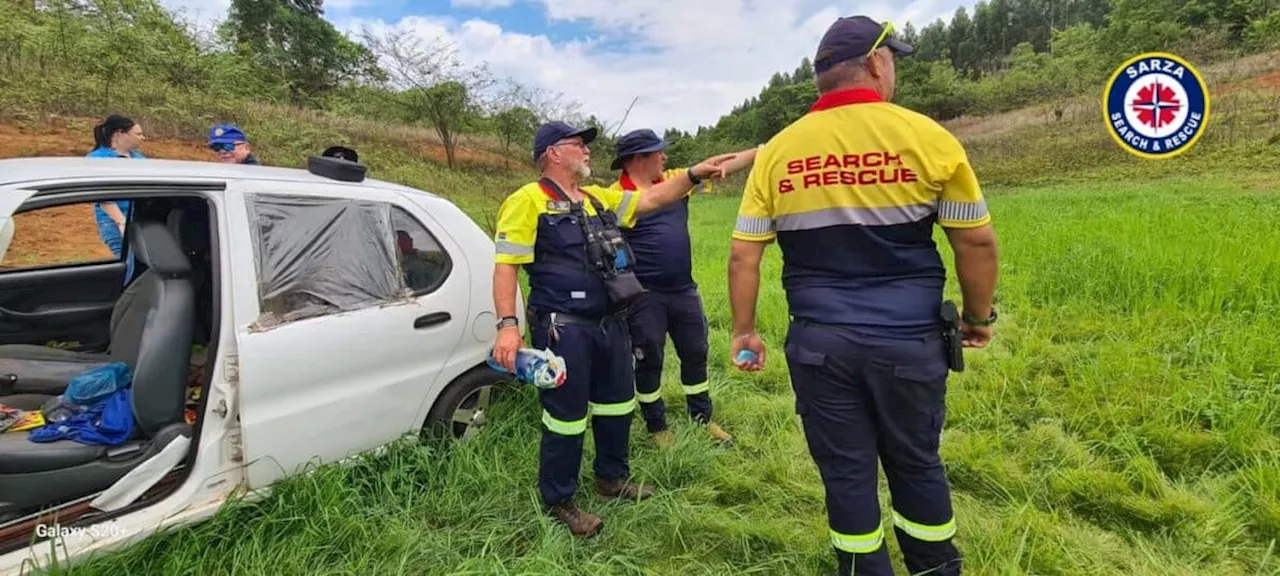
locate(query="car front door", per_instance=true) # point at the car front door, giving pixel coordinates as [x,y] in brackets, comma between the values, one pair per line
[330,362]
[58,280]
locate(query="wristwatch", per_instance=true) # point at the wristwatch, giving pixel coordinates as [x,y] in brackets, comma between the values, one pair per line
[970,320]
[693,177]
[508,321]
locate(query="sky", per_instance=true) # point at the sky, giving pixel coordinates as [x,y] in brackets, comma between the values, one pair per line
[684,62]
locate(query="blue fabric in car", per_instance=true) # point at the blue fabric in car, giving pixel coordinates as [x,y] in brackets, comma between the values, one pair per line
[108,422]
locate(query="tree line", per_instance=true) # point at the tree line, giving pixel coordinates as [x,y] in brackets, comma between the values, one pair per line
[1007,54]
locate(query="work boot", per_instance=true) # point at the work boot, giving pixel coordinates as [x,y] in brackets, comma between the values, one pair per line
[718,433]
[664,439]
[622,489]
[581,523]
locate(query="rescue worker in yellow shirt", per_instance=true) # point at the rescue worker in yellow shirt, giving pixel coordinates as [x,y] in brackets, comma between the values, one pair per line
[567,239]
[671,303]
[850,192]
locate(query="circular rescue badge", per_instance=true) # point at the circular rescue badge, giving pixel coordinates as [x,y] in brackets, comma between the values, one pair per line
[1156,105]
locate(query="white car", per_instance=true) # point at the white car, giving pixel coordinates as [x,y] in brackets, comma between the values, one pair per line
[332,314]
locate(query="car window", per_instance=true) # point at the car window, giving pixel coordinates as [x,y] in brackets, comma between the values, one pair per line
[65,235]
[423,263]
[318,256]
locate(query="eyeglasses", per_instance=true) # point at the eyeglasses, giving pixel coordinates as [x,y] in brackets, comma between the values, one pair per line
[223,147]
[575,143]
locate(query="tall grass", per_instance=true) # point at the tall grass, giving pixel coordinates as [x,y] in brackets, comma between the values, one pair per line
[1125,421]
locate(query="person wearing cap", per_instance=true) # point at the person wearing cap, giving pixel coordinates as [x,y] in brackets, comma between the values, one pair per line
[671,303]
[850,192]
[230,144]
[573,310]
[341,152]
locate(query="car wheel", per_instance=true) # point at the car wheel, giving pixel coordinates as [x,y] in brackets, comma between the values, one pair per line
[462,409]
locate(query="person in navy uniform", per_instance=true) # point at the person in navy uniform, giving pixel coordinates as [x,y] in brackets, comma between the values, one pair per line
[567,238]
[851,192]
[671,303]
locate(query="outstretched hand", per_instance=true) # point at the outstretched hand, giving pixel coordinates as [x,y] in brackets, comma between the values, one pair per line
[714,167]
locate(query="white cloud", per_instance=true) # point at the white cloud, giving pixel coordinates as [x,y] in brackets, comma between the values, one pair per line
[688,62]
[697,58]
[482,4]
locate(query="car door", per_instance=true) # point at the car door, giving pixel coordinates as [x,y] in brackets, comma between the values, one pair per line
[336,382]
[58,280]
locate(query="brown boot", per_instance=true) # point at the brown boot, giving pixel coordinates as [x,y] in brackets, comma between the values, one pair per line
[622,490]
[718,433]
[581,523]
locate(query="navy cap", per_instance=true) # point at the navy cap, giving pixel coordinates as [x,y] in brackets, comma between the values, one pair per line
[555,131]
[852,37]
[640,141]
[226,134]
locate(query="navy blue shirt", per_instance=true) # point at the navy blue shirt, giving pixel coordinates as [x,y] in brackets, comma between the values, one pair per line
[661,244]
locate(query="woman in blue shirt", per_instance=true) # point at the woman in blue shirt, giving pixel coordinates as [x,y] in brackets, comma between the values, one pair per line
[115,137]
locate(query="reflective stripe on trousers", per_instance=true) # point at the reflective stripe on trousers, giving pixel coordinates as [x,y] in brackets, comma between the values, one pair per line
[865,400]
[599,390]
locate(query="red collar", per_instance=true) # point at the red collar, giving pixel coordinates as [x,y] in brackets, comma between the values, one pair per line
[852,96]
[629,184]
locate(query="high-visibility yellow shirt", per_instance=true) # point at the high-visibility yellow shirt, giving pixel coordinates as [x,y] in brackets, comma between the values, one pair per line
[850,192]
[538,231]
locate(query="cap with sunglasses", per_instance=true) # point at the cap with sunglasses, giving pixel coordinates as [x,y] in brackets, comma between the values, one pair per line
[555,131]
[855,37]
[224,137]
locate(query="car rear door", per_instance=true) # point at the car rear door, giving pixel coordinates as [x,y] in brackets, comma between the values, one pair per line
[338,382]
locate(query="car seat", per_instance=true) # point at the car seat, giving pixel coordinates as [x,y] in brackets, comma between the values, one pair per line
[162,306]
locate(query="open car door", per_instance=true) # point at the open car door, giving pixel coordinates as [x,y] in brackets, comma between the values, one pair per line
[56,285]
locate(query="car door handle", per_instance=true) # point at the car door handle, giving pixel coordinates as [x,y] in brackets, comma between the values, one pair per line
[431,320]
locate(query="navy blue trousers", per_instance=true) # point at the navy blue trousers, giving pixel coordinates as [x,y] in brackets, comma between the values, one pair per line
[598,386]
[861,399]
[653,316]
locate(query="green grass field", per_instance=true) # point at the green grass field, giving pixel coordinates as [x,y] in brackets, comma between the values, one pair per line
[1126,420]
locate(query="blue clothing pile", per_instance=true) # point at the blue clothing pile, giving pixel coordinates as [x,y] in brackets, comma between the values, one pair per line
[109,423]
[96,409]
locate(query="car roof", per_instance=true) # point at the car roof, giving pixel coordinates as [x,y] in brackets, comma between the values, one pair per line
[15,171]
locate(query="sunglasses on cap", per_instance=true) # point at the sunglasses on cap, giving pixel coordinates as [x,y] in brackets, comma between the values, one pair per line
[884,33]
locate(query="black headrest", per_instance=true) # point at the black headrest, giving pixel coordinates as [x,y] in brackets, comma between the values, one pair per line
[191,227]
[156,247]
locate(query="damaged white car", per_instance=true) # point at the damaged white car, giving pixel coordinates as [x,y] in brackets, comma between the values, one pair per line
[270,319]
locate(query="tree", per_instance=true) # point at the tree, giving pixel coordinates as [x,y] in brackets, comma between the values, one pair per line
[428,82]
[291,43]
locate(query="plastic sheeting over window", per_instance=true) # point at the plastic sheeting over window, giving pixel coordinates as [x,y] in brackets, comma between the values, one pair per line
[319,256]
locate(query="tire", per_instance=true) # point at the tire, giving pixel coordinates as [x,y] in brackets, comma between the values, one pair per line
[461,409]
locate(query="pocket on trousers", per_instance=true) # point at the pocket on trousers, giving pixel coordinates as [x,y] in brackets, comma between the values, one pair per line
[806,364]
[927,372]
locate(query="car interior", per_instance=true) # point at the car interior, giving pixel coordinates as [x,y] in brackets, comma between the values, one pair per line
[151,324]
